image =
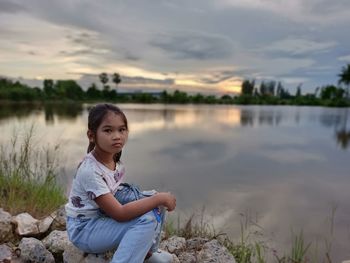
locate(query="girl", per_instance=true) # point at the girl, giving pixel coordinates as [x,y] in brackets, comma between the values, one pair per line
[130,227]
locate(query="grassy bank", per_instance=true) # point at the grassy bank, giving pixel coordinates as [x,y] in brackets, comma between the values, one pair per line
[28,177]
[252,245]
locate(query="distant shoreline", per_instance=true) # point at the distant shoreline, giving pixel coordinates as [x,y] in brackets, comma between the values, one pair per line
[317,102]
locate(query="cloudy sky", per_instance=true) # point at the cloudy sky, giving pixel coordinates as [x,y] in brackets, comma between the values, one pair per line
[192,45]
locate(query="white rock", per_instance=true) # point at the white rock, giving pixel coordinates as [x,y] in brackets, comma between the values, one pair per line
[33,250]
[5,226]
[28,225]
[45,224]
[72,255]
[175,259]
[213,251]
[5,253]
[57,241]
[196,243]
[59,219]
[174,244]
[187,257]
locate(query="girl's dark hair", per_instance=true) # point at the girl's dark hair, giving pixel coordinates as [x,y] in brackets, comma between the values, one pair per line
[96,116]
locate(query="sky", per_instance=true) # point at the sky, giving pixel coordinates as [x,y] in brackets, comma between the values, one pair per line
[191,45]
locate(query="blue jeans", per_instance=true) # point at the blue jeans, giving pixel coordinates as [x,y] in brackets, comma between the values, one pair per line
[133,238]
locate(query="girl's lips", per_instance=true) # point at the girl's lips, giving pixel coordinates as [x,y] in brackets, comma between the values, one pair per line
[117,145]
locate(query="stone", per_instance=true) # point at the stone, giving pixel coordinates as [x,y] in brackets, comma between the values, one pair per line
[173,245]
[196,243]
[175,259]
[29,226]
[33,250]
[26,224]
[187,257]
[45,224]
[72,255]
[6,233]
[213,251]
[59,219]
[56,242]
[5,253]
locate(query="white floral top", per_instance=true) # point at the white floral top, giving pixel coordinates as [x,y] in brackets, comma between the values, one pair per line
[92,180]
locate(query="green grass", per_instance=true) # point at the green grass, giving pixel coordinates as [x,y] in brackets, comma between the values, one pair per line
[28,177]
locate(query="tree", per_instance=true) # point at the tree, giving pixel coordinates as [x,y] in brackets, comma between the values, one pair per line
[247,87]
[280,90]
[48,87]
[93,92]
[332,92]
[104,80]
[263,88]
[69,89]
[344,77]
[116,79]
[298,92]
[270,87]
[180,97]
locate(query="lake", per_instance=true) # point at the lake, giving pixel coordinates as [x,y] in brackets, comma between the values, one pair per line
[277,168]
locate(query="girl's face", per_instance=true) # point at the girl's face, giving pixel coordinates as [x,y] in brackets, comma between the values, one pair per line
[111,135]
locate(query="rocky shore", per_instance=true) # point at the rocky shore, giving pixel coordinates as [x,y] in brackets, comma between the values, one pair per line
[26,239]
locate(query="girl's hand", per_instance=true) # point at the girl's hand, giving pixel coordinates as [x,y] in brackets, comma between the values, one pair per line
[168,200]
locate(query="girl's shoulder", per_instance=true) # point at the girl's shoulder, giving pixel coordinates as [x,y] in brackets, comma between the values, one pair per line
[88,166]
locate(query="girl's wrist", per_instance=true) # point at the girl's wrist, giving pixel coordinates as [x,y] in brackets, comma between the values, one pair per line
[159,199]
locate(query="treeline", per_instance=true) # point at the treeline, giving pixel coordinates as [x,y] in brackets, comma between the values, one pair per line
[69,90]
[273,93]
[266,93]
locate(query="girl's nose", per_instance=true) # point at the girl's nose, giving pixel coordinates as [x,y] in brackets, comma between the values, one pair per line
[116,135]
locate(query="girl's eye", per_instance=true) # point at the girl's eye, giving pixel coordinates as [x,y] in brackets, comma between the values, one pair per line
[122,130]
[108,130]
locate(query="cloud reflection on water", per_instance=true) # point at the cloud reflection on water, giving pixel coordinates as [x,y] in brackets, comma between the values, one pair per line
[280,164]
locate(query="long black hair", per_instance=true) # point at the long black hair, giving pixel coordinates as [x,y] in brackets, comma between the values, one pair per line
[96,115]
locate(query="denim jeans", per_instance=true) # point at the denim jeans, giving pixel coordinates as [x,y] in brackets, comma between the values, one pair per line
[133,238]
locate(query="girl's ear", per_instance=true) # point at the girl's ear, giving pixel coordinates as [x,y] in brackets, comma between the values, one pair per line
[90,136]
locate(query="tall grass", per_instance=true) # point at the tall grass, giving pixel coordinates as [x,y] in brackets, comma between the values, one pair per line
[28,176]
[252,246]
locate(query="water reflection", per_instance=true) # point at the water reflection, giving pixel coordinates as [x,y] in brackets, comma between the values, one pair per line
[64,111]
[343,138]
[157,117]
[250,117]
[343,134]
[69,111]
[19,111]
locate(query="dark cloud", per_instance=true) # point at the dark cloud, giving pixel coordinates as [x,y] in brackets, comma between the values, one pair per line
[130,57]
[194,46]
[142,80]
[10,7]
[327,7]
[135,83]
[195,38]
[78,53]
[218,77]
[81,38]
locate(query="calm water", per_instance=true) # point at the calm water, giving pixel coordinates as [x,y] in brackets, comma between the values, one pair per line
[281,167]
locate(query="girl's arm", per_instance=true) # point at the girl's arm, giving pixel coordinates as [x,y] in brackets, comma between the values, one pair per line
[118,212]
